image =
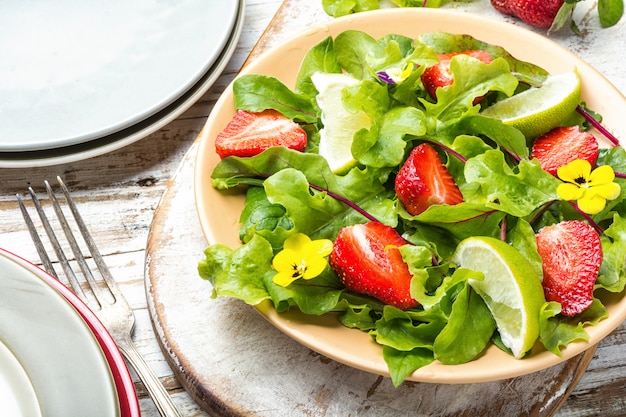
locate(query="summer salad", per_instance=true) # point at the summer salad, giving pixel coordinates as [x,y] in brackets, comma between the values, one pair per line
[392,165]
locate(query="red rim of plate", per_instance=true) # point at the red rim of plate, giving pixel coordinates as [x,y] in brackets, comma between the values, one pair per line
[124,386]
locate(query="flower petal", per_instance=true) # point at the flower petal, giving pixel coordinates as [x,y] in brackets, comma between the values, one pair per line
[296,242]
[608,191]
[568,191]
[285,260]
[601,175]
[578,168]
[317,248]
[592,203]
[314,268]
[284,278]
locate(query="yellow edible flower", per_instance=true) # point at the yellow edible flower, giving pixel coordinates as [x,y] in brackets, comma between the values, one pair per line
[590,188]
[301,257]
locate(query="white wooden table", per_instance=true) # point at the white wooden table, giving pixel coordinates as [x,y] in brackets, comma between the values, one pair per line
[119,192]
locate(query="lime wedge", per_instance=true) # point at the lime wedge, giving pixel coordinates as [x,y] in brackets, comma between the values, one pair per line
[539,109]
[511,289]
[340,124]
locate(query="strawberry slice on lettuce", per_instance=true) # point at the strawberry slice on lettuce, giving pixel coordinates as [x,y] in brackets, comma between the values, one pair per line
[249,134]
[367,259]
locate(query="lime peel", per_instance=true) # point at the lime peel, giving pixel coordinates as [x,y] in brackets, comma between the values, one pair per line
[510,288]
[539,109]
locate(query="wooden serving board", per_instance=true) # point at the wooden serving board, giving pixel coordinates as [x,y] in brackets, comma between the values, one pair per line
[234,363]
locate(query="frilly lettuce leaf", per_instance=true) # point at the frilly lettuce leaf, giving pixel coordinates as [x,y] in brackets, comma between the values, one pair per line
[556,333]
[289,192]
[490,181]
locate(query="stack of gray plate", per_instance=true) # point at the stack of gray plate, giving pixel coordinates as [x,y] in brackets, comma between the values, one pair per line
[78,79]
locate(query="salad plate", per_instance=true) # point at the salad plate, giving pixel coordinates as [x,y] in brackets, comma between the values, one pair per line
[147,75]
[219,212]
[56,358]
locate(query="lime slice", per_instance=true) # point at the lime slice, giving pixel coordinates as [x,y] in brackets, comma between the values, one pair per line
[539,109]
[511,289]
[340,124]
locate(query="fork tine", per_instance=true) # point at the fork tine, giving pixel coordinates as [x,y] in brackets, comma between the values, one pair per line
[78,254]
[41,250]
[117,315]
[69,273]
[93,249]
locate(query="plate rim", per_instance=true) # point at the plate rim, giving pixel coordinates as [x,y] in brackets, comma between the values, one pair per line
[142,129]
[433,372]
[128,403]
[97,128]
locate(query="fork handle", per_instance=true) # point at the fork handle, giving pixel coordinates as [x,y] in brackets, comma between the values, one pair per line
[157,391]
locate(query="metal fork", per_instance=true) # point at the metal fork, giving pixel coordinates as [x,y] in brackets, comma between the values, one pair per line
[107,302]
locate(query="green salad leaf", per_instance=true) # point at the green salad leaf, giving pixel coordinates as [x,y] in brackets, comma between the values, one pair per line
[506,195]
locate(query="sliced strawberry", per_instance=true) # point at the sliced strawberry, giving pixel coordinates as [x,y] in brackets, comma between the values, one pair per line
[562,145]
[440,75]
[571,254]
[249,134]
[367,260]
[423,181]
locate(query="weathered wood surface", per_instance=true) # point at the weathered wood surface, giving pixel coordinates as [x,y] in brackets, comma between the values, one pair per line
[234,363]
[239,365]
[120,192]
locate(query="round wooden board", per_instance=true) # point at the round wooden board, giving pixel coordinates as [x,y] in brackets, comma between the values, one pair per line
[234,363]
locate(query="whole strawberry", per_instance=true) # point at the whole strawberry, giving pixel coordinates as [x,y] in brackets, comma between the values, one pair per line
[367,260]
[538,13]
[572,254]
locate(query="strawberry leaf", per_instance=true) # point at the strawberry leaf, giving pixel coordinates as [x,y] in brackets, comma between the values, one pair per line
[338,8]
[563,16]
[610,12]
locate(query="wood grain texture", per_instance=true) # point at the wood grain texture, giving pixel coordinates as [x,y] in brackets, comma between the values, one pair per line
[234,363]
[119,193]
[239,365]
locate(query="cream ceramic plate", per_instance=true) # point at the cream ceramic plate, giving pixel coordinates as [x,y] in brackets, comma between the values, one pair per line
[74,72]
[219,213]
[50,360]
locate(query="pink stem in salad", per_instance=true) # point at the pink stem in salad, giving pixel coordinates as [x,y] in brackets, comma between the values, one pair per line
[345,201]
[446,149]
[620,175]
[584,113]
[503,230]
[588,218]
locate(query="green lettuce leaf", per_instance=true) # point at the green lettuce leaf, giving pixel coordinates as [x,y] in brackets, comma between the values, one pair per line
[490,181]
[468,332]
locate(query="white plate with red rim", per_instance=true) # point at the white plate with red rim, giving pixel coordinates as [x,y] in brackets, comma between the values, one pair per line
[56,358]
